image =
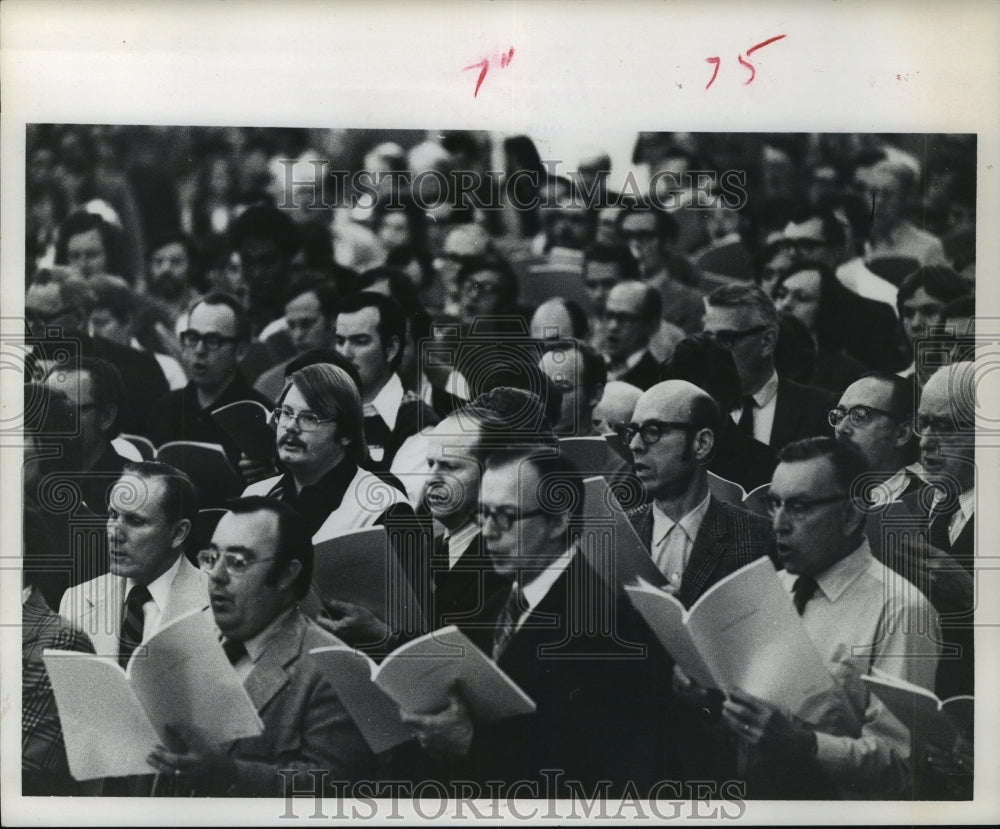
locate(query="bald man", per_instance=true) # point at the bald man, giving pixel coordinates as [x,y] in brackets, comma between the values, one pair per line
[615,407]
[694,538]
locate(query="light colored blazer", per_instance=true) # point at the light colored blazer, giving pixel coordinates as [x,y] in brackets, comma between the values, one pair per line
[96,605]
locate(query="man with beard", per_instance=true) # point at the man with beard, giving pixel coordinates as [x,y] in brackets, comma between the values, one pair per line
[170,279]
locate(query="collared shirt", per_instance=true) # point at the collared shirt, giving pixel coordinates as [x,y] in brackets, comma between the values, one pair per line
[857,278]
[962,516]
[616,373]
[865,616]
[315,502]
[536,589]
[152,611]
[256,645]
[459,541]
[387,401]
[892,489]
[765,401]
[672,541]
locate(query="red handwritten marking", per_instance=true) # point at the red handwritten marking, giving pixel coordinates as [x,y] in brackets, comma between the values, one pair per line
[484,66]
[744,63]
[717,61]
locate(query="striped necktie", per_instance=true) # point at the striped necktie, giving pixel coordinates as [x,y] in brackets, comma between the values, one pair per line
[507,622]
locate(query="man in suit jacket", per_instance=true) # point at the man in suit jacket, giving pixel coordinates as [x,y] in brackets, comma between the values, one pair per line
[632,314]
[152,509]
[570,642]
[260,565]
[774,410]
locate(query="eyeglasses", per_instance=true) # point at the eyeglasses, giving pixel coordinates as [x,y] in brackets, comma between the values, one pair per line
[471,286]
[212,341]
[506,516]
[860,415]
[799,507]
[937,425]
[727,339]
[304,421]
[236,564]
[651,431]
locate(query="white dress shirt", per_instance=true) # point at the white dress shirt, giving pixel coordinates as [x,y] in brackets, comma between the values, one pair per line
[152,611]
[672,541]
[765,401]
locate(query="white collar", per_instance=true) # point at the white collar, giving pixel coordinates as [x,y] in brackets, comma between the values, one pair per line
[160,588]
[836,578]
[388,399]
[690,523]
[458,541]
[536,590]
[767,392]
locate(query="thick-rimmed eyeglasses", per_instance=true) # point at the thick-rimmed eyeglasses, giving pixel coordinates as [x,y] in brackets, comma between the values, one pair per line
[650,431]
[236,564]
[211,341]
[304,421]
[799,507]
[940,426]
[727,338]
[859,415]
[505,517]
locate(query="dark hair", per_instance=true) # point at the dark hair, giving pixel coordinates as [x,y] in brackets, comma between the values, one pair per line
[51,420]
[902,406]
[963,306]
[83,221]
[114,294]
[667,229]
[849,464]
[107,385]
[313,282]
[294,542]
[560,484]
[242,325]
[833,230]
[180,500]
[509,416]
[835,303]
[509,287]
[702,361]
[264,221]
[401,256]
[578,321]
[939,281]
[391,319]
[705,413]
[174,237]
[322,355]
[331,392]
[620,255]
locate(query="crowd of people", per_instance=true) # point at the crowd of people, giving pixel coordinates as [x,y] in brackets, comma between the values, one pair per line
[780,368]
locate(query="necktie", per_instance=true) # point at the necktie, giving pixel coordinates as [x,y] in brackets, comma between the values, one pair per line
[378,435]
[940,524]
[133,619]
[235,650]
[507,622]
[746,418]
[802,592]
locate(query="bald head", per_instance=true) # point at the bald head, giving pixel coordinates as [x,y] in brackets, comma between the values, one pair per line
[679,401]
[616,406]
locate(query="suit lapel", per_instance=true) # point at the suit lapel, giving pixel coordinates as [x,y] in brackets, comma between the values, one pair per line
[269,675]
[102,618]
[784,415]
[189,591]
[706,554]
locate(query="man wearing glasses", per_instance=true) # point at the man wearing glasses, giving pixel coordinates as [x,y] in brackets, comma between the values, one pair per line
[860,616]
[875,416]
[631,316]
[573,645]
[259,566]
[775,410]
[214,342]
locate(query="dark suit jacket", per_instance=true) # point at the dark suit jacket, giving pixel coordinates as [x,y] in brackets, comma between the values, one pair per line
[599,681]
[730,538]
[740,458]
[800,412]
[645,373]
[463,595]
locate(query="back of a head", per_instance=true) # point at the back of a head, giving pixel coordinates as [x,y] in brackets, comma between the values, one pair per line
[745,295]
[268,223]
[700,360]
[938,281]
[510,416]
[619,255]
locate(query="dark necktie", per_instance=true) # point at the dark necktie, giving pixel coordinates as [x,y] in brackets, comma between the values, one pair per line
[235,650]
[940,523]
[746,418]
[133,620]
[507,622]
[802,592]
[378,435]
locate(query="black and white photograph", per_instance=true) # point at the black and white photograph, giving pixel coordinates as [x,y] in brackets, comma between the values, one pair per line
[535,443]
